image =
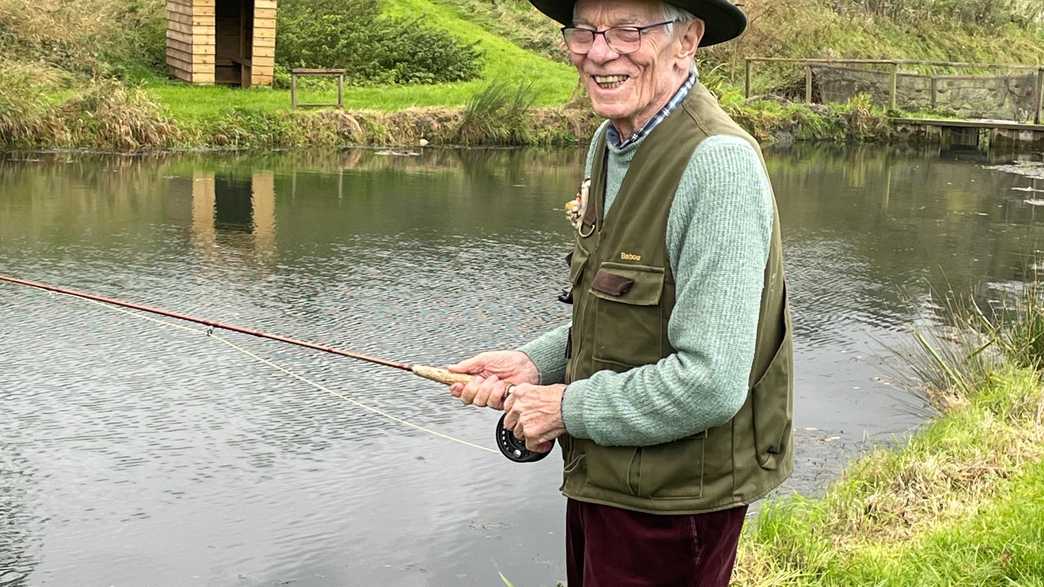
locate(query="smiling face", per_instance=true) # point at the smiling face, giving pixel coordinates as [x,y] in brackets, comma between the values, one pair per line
[629,89]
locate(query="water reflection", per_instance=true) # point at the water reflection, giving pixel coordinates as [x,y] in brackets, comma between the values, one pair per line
[234,204]
[215,469]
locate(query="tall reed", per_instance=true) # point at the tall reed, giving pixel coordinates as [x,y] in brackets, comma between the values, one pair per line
[949,360]
[498,115]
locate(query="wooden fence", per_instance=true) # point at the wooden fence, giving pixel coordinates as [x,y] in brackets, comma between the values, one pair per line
[894,65]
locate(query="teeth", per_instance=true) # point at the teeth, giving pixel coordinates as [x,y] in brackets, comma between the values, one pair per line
[609,79]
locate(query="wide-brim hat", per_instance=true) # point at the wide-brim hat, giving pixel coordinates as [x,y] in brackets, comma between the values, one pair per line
[722,20]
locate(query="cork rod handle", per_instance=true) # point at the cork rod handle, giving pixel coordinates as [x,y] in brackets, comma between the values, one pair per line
[440,375]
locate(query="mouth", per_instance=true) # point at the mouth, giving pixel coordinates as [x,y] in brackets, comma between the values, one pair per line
[610,82]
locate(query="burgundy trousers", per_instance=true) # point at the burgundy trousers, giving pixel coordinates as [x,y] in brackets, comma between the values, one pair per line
[613,547]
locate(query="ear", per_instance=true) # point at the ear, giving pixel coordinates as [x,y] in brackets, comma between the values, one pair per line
[691,34]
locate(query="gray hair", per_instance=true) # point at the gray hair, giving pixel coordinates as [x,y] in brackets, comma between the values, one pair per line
[672,12]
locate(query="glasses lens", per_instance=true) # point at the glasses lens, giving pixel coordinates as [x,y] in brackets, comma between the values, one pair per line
[623,40]
[578,40]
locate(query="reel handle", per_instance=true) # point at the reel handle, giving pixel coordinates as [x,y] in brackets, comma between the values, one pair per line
[513,448]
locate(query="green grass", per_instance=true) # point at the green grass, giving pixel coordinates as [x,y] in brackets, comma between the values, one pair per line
[505,63]
[962,503]
[1003,543]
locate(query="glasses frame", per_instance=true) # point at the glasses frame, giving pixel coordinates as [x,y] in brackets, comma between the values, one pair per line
[594,34]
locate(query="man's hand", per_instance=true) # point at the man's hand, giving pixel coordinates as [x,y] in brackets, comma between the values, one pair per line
[493,372]
[534,413]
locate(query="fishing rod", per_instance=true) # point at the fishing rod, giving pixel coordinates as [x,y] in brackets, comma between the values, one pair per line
[511,446]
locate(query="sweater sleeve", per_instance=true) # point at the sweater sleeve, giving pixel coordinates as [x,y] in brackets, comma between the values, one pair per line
[547,351]
[718,236]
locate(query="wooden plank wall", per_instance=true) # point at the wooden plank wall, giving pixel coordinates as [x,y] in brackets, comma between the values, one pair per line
[263,64]
[190,40]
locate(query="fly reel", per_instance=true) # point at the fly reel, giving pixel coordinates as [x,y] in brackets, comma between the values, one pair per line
[513,448]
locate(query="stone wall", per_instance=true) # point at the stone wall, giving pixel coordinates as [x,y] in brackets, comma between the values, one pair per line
[1009,97]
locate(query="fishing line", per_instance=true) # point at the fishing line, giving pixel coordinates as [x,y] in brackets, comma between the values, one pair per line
[511,447]
[210,333]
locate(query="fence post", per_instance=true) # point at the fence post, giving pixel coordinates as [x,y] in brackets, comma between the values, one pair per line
[293,90]
[746,78]
[895,83]
[1039,118]
[808,83]
[932,88]
[340,91]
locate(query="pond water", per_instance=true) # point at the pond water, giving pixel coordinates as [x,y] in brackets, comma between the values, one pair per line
[131,453]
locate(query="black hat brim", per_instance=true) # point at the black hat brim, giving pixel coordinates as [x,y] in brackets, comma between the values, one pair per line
[722,20]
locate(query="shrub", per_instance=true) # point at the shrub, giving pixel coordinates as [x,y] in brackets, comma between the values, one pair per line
[94,37]
[140,43]
[351,34]
[962,12]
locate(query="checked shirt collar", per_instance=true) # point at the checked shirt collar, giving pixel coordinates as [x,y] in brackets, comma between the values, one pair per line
[613,136]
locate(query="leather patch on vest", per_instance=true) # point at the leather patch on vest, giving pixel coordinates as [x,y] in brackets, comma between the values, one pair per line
[611,283]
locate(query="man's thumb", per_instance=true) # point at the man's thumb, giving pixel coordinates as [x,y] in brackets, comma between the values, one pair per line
[472,366]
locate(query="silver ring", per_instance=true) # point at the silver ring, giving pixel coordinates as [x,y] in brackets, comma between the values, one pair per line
[507,390]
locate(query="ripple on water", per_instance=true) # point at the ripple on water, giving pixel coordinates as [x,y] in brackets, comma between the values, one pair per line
[135,453]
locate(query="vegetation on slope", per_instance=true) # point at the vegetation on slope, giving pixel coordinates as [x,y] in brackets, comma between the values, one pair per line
[370,47]
[55,54]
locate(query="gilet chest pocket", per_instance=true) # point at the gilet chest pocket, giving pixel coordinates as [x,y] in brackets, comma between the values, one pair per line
[628,317]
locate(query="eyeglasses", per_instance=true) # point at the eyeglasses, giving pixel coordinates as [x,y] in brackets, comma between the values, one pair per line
[621,39]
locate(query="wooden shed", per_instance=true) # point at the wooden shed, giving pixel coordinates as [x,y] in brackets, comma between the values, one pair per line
[221,41]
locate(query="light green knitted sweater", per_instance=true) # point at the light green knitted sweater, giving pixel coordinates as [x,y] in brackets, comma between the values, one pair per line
[718,234]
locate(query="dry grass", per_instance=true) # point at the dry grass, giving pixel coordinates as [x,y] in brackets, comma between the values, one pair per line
[84,36]
[111,116]
[104,115]
[24,113]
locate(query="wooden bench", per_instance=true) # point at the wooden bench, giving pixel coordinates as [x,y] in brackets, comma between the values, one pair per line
[301,72]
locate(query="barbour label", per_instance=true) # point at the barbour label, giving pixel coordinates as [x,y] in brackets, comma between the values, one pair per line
[630,257]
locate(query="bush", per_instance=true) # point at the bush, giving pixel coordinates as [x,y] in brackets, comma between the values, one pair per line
[351,34]
[140,45]
[92,37]
[962,12]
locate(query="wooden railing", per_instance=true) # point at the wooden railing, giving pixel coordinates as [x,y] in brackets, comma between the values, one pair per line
[894,65]
[302,72]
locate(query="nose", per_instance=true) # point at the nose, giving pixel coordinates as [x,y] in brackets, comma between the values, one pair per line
[600,51]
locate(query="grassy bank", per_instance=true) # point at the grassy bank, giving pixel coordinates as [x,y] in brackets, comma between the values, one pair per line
[550,82]
[962,503]
[39,109]
[89,74]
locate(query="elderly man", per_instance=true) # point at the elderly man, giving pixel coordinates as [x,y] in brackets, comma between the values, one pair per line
[671,389]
